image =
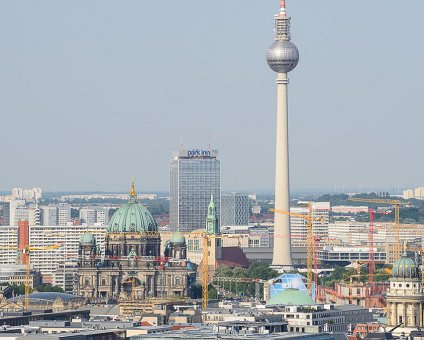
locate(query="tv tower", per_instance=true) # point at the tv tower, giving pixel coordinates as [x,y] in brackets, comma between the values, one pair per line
[282,57]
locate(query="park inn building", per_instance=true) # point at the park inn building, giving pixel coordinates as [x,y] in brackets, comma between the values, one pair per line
[194,176]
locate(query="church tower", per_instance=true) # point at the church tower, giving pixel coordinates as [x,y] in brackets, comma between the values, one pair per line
[405,298]
[212,228]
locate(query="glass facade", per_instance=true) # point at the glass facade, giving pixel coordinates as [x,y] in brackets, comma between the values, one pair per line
[234,209]
[194,175]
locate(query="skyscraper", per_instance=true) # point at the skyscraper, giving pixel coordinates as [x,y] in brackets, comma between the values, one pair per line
[234,209]
[282,58]
[194,176]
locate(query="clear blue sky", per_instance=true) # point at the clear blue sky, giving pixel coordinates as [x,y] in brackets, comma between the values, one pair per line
[94,92]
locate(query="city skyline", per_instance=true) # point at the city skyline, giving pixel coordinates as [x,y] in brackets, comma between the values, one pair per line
[83,82]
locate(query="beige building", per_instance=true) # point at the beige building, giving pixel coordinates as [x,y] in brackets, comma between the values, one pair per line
[405,298]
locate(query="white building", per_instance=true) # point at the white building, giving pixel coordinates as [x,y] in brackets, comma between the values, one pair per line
[408,194]
[299,230]
[64,214]
[419,193]
[47,261]
[14,204]
[64,276]
[34,217]
[102,215]
[31,195]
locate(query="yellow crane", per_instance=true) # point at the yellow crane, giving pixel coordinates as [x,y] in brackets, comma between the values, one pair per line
[26,250]
[396,204]
[206,238]
[310,240]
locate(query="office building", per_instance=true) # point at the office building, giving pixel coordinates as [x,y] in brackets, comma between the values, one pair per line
[282,57]
[234,209]
[49,216]
[194,176]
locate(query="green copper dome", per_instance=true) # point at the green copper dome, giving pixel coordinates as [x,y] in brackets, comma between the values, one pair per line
[177,237]
[132,218]
[87,238]
[291,296]
[405,268]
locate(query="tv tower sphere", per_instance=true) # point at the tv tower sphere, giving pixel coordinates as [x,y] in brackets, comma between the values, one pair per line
[282,56]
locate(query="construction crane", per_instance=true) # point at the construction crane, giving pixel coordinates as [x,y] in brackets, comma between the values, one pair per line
[311,244]
[371,263]
[26,252]
[206,238]
[396,204]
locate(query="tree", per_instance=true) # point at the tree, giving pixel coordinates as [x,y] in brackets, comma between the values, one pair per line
[48,288]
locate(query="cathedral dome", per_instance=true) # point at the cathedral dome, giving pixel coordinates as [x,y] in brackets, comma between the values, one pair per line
[87,238]
[405,268]
[132,218]
[177,237]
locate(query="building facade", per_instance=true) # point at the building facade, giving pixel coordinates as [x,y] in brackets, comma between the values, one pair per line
[194,175]
[64,214]
[405,298]
[48,260]
[234,209]
[321,215]
[132,267]
[49,216]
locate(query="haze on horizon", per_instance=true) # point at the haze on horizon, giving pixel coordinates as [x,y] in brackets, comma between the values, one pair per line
[96,92]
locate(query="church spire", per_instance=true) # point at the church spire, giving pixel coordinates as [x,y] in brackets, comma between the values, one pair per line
[212,226]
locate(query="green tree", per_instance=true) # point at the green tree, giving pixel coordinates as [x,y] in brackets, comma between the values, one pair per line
[48,288]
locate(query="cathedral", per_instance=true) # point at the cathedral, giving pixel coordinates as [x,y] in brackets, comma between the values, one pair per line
[132,267]
[405,297]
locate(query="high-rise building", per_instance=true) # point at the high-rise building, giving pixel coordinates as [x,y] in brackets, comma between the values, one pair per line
[32,195]
[282,58]
[64,214]
[234,209]
[6,213]
[88,215]
[194,175]
[14,216]
[34,215]
[49,216]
